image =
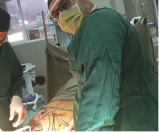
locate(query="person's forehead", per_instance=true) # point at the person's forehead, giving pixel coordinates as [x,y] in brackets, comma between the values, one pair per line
[54,3]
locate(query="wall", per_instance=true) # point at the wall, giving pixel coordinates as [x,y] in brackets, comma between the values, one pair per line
[106,3]
[120,6]
[102,3]
[33,52]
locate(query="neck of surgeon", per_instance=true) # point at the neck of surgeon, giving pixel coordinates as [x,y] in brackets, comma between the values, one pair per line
[93,7]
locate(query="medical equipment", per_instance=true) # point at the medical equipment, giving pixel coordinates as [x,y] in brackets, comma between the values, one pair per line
[133,21]
[39,80]
[26,68]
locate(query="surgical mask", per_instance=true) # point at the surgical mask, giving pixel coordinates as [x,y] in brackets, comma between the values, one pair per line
[71,20]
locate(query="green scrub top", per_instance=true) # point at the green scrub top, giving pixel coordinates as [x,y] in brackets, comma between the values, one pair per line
[117,85]
[11,83]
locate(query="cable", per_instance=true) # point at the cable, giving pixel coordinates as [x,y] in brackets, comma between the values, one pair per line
[49,119]
[41,120]
[58,123]
[56,108]
[53,123]
[64,123]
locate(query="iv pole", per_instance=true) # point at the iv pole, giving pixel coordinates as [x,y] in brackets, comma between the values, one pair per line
[44,26]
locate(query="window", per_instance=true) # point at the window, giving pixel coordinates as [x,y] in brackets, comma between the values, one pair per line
[15,37]
[22,32]
[36,33]
[31,8]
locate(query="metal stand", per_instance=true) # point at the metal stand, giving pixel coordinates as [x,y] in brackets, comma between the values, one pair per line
[44,27]
[29,86]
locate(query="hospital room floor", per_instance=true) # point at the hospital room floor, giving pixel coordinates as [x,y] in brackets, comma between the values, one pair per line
[31,113]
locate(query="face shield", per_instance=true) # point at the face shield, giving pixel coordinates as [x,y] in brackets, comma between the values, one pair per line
[62,6]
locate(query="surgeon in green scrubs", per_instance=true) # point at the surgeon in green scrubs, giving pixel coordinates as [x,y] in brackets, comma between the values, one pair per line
[11,80]
[117,85]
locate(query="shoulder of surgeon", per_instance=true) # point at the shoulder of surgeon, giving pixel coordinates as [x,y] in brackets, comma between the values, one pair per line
[102,18]
[102,21]
[7,51]
[99,24]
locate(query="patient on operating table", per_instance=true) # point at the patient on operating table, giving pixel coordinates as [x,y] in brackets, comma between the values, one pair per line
[56,115]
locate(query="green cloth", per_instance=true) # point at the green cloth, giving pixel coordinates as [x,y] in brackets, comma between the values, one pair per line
[117,85]
[11,83]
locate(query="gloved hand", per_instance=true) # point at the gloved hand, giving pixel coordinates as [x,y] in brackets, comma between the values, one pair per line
[70,128]
[16,107]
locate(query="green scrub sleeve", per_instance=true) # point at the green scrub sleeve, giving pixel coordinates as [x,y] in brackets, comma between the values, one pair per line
[100,96]
[97,52]
[17,77]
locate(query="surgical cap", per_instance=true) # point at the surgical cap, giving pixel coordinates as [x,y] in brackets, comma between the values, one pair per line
[49,1]
[4,21]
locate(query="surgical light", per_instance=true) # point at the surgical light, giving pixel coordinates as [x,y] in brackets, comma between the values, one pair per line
[15,37]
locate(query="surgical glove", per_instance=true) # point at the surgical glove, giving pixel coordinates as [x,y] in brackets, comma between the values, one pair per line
[16,107]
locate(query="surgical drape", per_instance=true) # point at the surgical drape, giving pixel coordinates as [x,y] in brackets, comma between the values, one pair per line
[117,86]
[144,33]
[57,71]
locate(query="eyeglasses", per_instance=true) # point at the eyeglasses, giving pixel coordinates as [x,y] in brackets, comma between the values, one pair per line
[62,6]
